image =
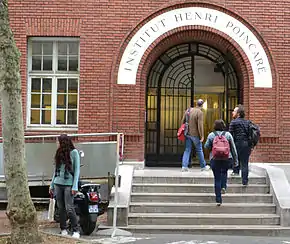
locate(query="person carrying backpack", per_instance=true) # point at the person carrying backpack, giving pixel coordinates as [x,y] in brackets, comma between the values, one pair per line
[194,134]
[246,136]
[223,154]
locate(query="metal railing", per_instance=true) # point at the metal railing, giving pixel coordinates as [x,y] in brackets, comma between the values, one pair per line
[121,140]
[81,135]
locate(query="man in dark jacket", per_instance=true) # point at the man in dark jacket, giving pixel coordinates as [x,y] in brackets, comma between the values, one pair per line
[239,128]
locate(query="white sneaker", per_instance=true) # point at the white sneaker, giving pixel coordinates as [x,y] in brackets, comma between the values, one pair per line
[184,169]
[76,235]
[64,233]
[205,168]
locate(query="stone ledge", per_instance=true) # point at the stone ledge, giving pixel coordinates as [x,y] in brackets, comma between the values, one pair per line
[124,195]
[279,187]
[136,164]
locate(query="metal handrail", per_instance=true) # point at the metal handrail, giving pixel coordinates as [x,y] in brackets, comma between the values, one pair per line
[84,135]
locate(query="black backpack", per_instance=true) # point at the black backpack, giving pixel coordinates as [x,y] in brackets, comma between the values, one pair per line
[254,134]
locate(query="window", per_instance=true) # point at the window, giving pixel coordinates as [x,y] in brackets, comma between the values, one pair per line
[53,82]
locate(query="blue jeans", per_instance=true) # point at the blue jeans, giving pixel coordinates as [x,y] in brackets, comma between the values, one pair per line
[198,148]
[244,152]
[220,172]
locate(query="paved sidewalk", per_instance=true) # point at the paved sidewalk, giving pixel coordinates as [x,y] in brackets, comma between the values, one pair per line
[182,239]
[215,239]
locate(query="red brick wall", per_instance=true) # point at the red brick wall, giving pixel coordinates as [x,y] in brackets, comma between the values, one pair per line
[104,28]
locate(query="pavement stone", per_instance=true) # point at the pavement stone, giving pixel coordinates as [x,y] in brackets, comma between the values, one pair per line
[194,239]
[180,239]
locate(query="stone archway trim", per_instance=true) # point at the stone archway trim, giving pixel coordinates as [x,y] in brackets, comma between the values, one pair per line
[198,16]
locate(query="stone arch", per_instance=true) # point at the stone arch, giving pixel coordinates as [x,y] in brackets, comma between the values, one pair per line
[201,17]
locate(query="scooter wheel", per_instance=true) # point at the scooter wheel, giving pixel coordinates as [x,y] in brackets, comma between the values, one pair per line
[87,226]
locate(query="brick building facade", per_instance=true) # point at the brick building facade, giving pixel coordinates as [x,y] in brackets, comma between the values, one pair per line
[71,53]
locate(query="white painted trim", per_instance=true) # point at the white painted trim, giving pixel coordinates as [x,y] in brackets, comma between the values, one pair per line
[189,16]
[53,101]
[98,142]
[52,128]
[53,39]
[28,84]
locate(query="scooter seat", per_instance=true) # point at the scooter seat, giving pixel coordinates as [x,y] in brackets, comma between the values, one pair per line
[82,182]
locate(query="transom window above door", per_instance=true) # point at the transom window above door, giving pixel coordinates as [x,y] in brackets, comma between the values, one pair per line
[53,83]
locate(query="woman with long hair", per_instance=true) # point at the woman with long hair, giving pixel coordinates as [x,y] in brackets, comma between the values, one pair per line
[220,166]
[65,183]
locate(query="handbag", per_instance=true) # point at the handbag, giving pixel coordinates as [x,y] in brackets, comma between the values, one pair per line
[51,208]
[183,130]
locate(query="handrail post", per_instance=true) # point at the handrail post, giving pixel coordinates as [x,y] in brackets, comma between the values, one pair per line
[122,146]
[116,197]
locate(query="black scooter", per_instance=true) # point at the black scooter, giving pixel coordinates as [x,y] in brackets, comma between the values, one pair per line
[87,202]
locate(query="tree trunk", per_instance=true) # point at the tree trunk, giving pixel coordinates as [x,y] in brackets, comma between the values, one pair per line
[20,211]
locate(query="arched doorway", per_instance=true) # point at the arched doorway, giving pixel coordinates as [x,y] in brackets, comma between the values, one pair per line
[177,79]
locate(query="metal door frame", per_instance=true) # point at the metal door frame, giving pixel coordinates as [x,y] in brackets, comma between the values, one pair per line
[161,65]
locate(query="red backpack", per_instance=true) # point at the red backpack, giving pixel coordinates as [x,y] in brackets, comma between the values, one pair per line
[180,133]
[220,147]
[183,130]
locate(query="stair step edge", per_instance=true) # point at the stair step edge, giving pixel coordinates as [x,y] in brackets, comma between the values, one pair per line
[203,227]
[170,204]
[201,215]
[191,184]
[196,194]
[189,175]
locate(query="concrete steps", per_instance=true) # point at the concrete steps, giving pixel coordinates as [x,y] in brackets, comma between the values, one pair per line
[186,178]
[185,203]
[202,219]
[197,188]
[227,208]
[199,197]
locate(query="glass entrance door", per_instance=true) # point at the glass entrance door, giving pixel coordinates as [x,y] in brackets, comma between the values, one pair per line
[178,78]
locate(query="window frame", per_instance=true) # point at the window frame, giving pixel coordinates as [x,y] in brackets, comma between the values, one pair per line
[54,75]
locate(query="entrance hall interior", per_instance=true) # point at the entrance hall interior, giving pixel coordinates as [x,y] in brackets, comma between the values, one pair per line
[179,77]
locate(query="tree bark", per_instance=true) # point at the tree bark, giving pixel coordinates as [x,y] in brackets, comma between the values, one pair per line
[20,210]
